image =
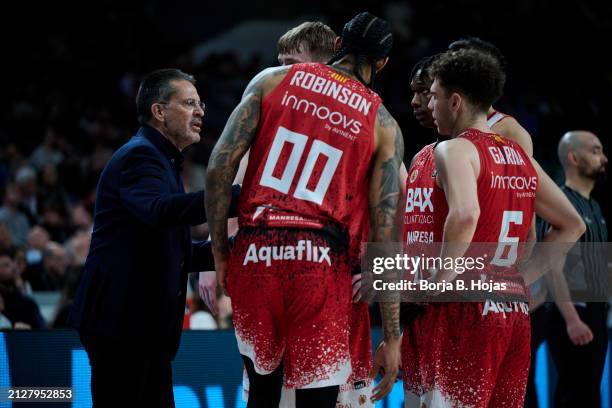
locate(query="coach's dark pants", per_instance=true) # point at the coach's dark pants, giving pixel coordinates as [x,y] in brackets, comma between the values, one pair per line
[579,367]
[539,333]
[128,372]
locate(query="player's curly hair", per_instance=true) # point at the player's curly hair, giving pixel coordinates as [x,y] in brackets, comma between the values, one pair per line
[475,74]
[368,38]
[479,44]
[424,66]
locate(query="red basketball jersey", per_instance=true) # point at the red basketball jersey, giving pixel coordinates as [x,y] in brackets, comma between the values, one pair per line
[495,117]
[507,187]
[309,163]
[425,207]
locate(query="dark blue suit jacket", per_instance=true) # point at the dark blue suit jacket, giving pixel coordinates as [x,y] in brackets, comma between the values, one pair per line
[141,250]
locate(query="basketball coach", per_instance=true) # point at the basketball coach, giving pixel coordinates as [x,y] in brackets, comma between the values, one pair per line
[129,308]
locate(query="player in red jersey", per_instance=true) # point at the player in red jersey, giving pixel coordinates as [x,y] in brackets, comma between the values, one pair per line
[315,132]
[509,127]
[313,41]
[472,354]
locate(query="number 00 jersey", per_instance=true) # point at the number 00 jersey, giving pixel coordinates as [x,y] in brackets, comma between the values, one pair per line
[309,163]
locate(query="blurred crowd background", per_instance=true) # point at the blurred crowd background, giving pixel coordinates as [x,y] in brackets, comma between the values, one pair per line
[71,76]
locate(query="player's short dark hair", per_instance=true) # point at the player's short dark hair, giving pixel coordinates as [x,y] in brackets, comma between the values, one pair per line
[313,37]
[156,88]
[475,74]
[424,66]
[479,44]
[368,38]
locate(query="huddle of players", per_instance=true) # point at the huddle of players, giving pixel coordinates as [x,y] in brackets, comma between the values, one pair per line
[293,323]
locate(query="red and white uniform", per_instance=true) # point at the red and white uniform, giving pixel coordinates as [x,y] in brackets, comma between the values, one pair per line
[423,195]
[475,354]
[356,392]
[495,117]
[305,190]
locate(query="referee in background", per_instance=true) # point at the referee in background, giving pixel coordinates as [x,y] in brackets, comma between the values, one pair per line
[577,332]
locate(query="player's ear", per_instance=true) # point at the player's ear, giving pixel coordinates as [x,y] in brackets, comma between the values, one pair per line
[456,100]
[380,64]
[337,43]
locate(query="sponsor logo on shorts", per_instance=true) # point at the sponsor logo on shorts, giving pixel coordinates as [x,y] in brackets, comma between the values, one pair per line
[303,251]
[359,384]
[505,307]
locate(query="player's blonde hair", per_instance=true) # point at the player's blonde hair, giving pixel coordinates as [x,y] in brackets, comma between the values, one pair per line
[313,37]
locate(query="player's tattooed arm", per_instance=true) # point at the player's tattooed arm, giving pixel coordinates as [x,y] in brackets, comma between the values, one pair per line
[234,142]
[385,190]
[384,198]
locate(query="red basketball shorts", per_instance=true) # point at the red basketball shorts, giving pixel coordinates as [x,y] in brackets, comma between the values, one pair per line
[291,299]
[467,355]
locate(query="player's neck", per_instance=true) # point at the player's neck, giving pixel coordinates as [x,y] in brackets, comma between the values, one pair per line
[580,184]
[464,122]
[347,64]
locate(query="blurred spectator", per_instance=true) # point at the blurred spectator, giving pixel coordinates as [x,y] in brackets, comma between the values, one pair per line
[6,240]
[80,218]
[21,310]
[53,272]
[37,242]
[47,153]
[77,248]
[54,209]
[26,181]
[20,268]
[16,221]
[10,159]
[200,317]
[224,319]
[5,323]
[194,175]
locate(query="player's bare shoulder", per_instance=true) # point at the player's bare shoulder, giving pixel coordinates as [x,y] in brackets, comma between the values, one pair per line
[456,149]
[267,80]
[384,118]
[511,129]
